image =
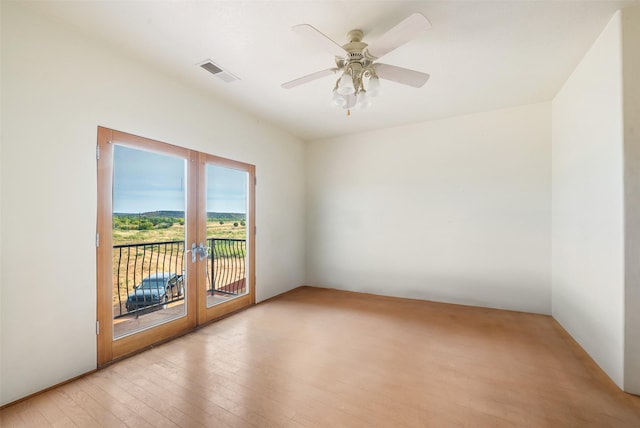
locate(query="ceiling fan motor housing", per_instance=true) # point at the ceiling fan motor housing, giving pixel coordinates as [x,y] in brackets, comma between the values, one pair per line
[356,51]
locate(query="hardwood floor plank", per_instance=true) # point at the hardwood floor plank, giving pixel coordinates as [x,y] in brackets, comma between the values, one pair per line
[94,407]
[194,397]
[211,396]
[78,415]
[10,417]
[111,383]
[159,400]
[256,398]
[52,413]
[111,410]
[30,415]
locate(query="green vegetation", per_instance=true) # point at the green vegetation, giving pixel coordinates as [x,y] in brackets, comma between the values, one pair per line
[144,222]
[162,226]
[225,249]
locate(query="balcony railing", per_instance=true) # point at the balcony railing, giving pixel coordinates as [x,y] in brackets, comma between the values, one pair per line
[133,263]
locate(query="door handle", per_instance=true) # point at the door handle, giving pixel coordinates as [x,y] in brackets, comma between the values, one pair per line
[200,250]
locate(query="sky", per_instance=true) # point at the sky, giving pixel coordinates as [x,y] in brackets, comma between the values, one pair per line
[145,181]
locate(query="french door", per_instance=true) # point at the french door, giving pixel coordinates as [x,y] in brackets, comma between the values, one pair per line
[175,241]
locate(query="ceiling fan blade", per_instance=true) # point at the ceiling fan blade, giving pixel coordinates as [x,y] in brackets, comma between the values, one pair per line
[309,78]
[406,30]
[401,75]
[319,39]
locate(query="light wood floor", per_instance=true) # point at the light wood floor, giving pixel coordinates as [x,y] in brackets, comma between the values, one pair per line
[325,358]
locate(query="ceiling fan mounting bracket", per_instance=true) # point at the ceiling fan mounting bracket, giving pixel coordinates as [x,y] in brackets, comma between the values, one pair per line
[355,35]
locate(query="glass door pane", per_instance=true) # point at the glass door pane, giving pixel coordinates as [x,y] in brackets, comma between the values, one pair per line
[227,223]
[148,236]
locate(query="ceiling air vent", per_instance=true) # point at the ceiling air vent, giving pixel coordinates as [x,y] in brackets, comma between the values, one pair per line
[217,71]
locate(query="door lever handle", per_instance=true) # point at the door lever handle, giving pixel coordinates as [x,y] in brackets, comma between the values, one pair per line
[200,250]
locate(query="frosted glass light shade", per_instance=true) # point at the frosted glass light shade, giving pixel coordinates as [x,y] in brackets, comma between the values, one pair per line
[364,101]
[373,88]
[345,86]
[351,101]
[337,99]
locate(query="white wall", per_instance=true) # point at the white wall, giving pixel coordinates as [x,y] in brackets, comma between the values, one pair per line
[630,73]
[57,87]
[455,210]
[587,203]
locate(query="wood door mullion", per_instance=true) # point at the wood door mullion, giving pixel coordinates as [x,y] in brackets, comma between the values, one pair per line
[202,237]
[191,223]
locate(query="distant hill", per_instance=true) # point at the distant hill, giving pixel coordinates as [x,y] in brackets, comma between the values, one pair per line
[171,214]
[226,216]
[180,214]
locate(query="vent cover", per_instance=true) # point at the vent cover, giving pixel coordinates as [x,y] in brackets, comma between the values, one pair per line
[217,71]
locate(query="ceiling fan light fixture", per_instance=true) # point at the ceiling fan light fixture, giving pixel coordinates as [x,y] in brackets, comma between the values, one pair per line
[338,100]
[350,101]
[364,101]
[373,87]
[345,84]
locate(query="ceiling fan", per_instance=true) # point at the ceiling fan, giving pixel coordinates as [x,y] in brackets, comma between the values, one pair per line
[356,62]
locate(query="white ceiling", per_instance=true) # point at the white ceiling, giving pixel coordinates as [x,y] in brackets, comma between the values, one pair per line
[482,55]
